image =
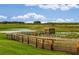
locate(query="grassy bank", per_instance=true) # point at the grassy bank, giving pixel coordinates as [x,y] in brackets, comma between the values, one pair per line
[10,47]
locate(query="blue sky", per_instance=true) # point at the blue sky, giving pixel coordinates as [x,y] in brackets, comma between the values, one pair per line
[43,13]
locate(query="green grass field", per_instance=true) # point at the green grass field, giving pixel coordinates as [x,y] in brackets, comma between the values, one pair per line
[58,27]
[29,26]
[10,47]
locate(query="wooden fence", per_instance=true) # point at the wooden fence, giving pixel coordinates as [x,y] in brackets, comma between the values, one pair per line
[61,44]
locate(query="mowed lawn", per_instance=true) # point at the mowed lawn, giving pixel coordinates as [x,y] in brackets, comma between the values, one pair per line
[10,47]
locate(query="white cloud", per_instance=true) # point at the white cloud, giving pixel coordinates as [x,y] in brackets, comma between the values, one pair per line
[63,20]
[62,7]
[41,18]
[34,16]
[3,17]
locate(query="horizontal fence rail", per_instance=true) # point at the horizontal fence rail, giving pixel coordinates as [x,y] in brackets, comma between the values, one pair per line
[61,44]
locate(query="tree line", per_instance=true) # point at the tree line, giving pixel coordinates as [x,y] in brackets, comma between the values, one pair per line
[13,22]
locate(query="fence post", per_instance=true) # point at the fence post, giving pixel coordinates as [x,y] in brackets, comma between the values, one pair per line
[43,43]
[17,38]
[27,39]
[36,42]
[22,39]
[52,44]
[11,36]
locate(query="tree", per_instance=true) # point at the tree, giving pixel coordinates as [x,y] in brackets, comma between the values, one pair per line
[37,22]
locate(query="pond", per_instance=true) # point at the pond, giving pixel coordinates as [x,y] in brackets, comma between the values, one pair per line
[14,30]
